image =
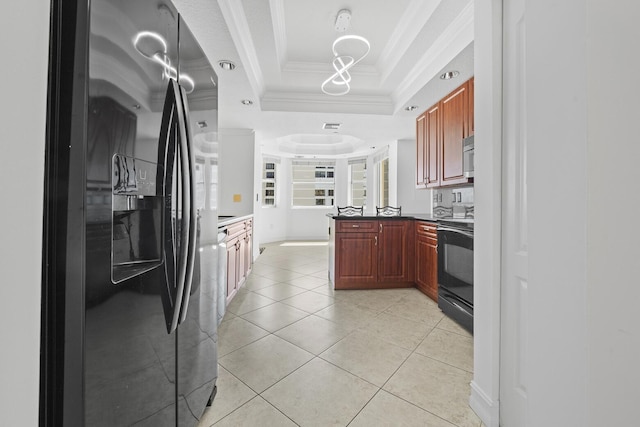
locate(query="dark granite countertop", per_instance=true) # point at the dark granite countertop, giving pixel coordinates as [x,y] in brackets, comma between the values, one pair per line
[417,216]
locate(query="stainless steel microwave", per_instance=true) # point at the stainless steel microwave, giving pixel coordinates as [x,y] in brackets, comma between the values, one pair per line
[468,156]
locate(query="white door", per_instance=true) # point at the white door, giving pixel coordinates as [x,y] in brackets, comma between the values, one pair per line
[514,292]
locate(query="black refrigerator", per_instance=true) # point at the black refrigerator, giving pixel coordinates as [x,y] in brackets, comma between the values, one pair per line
[129,324]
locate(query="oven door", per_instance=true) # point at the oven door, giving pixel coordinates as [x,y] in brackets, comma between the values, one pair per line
[455,273]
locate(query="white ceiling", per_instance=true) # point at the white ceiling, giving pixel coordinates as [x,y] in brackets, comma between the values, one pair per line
[282,49]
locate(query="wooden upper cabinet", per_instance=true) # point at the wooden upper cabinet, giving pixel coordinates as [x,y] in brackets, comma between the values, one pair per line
[471,108]
[433,143]
[455,108]
[440,131]
[421,151]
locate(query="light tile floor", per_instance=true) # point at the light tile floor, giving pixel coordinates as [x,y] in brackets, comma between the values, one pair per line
[293,351]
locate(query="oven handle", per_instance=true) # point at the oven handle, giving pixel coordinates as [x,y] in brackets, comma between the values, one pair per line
[455,230]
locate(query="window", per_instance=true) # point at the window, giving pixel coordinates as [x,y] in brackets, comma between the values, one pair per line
[313,183]
[382,169]
[269,170]
[213,183]
[358,182]
[200,184]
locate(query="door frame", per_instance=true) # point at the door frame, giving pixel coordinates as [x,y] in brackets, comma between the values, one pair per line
[485,393]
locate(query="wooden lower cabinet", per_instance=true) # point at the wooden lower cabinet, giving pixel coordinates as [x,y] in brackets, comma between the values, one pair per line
[356,260]
[242,260]
[232,268]
[373,254]
[239,244]
[395,241]
[248,252]
[426,258]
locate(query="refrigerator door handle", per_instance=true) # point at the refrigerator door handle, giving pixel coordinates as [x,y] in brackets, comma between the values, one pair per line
[171,155]
[184,188]
[188,180]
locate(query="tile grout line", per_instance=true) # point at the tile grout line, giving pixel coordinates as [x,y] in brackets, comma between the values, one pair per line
[378,313]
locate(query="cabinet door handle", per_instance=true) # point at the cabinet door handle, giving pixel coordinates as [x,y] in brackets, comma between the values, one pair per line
[376,240]
[380,227]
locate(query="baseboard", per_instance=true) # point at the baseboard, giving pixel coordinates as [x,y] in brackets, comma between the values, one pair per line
[487,409]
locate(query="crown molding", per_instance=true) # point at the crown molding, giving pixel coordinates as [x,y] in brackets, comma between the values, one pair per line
[324,68]
[411,23]
[321,103]
[451,42]
[234,15]
[279,30]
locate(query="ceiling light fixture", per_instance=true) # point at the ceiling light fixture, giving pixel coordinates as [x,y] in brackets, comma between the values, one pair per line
[338,83]
[154,47]
[411,108]
[247,102]
[343,20]
[225,64]
[449,75]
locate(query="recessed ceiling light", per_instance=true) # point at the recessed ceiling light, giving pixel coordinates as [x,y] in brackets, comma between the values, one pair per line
[449,75]
[247,102]
[225,64]
[411,108]
[202,124]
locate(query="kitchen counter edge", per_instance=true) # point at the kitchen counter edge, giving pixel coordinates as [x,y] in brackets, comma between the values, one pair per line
[228,221]
[420,217]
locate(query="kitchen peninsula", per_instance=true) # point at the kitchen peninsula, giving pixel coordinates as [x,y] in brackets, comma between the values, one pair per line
[374,252]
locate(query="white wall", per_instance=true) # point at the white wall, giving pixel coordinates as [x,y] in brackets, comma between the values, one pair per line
[613,203]
[557,141]
[584,333]
[393,173]
[235,171]
[272,222]
[24,38]
[342,182]
[411,199]
[485,387]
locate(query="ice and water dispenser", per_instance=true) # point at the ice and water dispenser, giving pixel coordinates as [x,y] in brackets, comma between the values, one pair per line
[136,232]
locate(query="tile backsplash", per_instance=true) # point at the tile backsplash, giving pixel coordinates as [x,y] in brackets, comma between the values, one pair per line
[453,202]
